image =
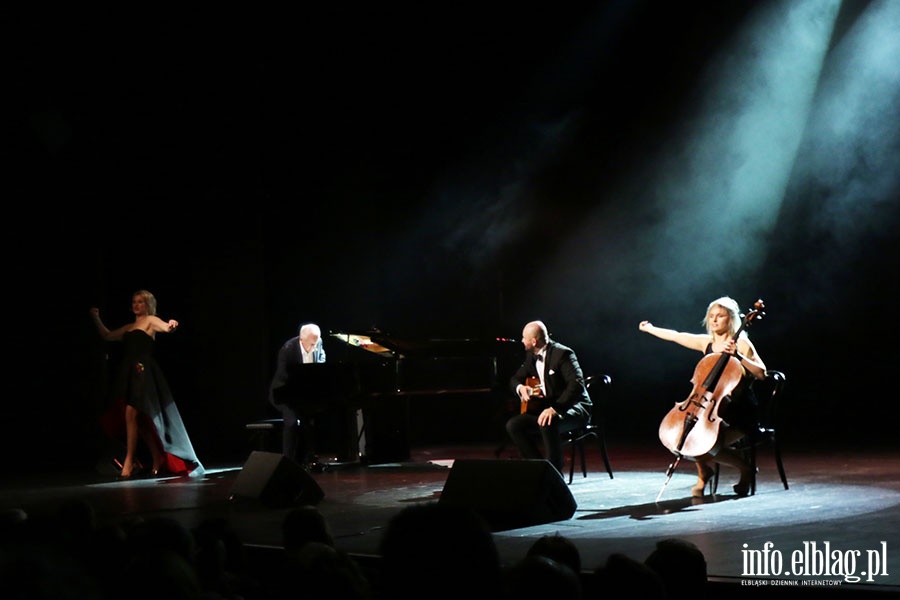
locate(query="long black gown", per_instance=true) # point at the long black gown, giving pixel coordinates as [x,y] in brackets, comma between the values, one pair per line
[140,383]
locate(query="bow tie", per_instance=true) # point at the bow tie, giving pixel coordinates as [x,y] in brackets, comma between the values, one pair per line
[539,357]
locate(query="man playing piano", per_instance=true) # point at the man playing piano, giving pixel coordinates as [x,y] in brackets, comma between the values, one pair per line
[304,348]
[552,392]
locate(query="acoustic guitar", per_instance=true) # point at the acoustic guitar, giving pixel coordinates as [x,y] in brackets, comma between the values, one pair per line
[535,404]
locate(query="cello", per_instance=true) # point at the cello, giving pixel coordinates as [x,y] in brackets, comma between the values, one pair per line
[691,428]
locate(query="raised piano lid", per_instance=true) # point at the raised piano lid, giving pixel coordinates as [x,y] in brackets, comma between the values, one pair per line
[362,341]
[390,346]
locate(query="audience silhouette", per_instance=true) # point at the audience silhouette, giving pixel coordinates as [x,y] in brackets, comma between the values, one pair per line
[303,524]
[313,567]
[221,561]
[681,566]
[440,552]
[320,571]
[559,548]
[622,572]
[427,550]
[538,577]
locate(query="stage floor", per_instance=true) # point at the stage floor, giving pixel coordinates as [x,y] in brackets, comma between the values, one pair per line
[840,505]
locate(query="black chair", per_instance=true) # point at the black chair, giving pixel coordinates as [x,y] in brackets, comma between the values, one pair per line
[600,385]
[768,394]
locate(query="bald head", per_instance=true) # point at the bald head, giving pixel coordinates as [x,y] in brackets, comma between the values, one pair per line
[537,330]
[534,336]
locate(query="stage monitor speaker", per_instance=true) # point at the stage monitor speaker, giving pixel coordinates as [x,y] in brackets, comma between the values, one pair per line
[509,493]
[275,481]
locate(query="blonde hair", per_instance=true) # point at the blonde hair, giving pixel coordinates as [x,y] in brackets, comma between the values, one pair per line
[149,298]
[734,314]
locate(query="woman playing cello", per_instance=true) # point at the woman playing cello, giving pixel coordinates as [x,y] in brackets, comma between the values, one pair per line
[722,323]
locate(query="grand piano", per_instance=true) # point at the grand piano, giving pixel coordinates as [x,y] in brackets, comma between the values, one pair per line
[377,392]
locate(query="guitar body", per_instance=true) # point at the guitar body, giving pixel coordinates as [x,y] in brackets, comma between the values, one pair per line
[535,404]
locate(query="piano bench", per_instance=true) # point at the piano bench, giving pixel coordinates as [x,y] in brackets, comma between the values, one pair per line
[262,434]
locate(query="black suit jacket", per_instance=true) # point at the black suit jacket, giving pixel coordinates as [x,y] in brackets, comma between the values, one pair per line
[565,389]
[289,355]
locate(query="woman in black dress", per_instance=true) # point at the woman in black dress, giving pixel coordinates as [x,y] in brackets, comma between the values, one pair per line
[140,388]
[722,322]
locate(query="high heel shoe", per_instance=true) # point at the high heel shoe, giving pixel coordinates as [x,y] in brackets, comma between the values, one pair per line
[161,471]
[742,487]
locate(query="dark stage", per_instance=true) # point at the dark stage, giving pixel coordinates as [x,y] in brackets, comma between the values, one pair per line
[447,174]
[837,502]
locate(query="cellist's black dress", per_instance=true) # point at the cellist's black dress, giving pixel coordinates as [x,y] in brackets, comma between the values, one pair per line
[141,384]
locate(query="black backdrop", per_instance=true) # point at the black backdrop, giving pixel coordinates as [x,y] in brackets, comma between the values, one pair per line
[259,170]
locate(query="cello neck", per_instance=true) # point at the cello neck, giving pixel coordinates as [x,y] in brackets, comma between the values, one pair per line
[712,378]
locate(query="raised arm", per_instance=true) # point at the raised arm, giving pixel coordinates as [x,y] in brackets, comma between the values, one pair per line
[160,326]
[693,341]
[106,333]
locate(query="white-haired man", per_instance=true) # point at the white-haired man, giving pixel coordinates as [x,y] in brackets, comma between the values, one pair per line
[304,348]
